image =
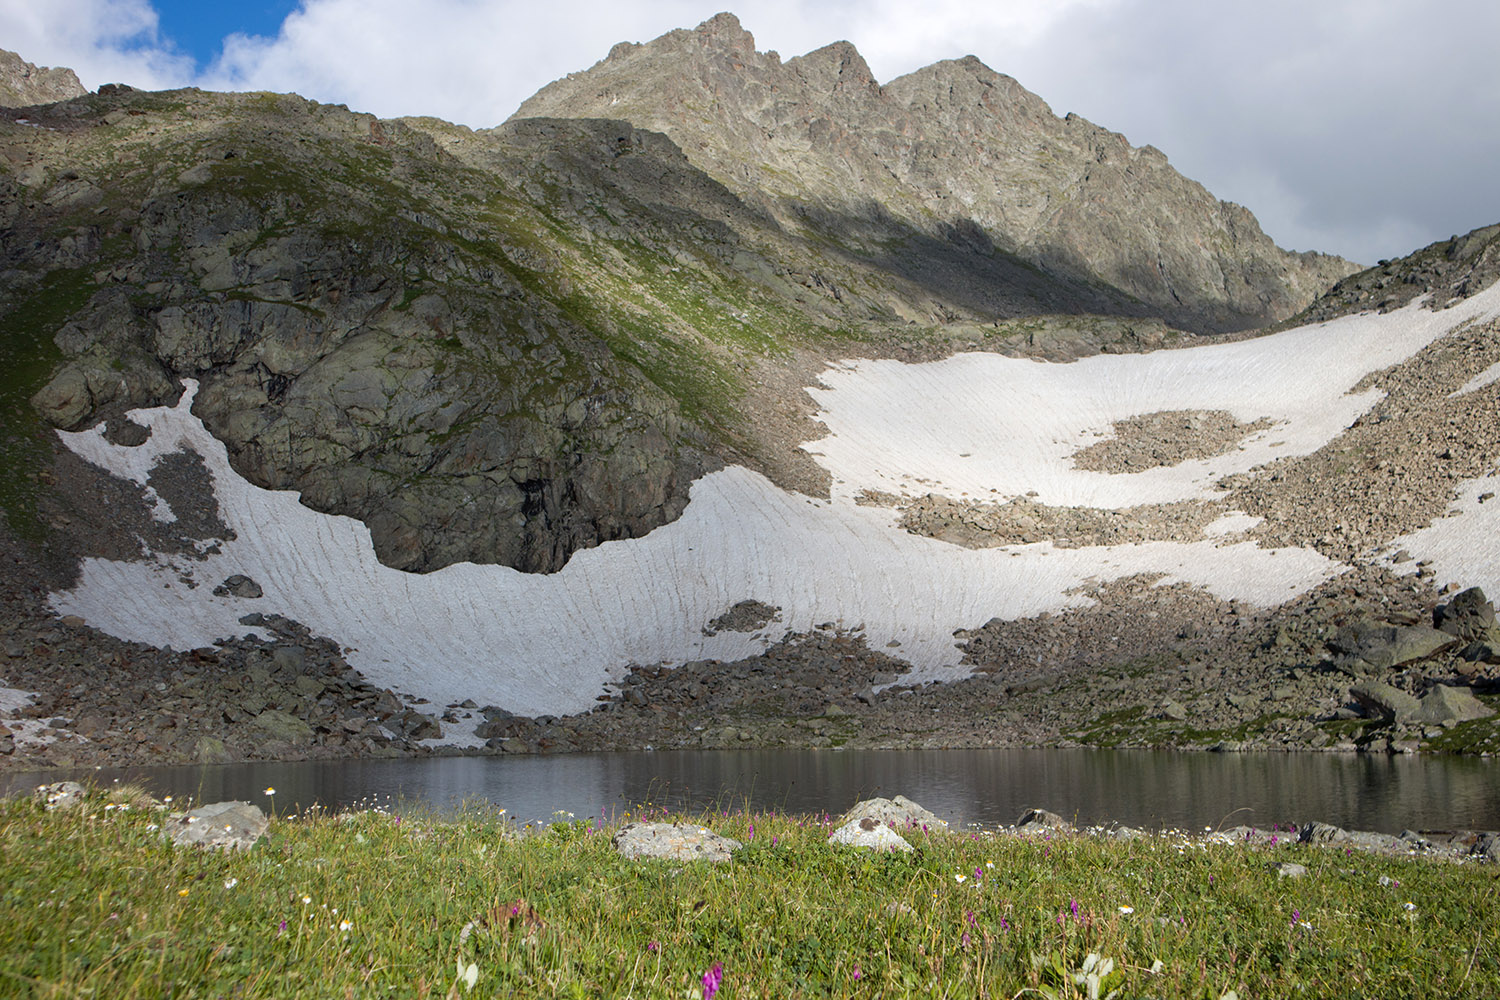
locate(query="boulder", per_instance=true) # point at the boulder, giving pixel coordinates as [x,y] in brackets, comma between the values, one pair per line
[1383,700]
[1468,616]
[869,833]
[1385,646]
[238,585]
[1323,833]
[901,811]
[62,795]
[1446,703]
[1041,821]
[1443,704]
[230,825]
[673,842]
[283,726]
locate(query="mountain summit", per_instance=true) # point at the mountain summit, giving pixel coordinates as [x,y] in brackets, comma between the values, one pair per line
[952,150]
[23,84]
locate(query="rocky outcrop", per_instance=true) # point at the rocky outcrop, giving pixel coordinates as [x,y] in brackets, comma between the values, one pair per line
[955,152]
[23,84]
[1447,272]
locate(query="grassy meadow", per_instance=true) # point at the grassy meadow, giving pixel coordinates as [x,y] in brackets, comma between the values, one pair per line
[376,903]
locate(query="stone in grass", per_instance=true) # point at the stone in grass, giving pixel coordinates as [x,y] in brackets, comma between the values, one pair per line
[62,795]
[901,811]
[1042,821]
[229,825]
[1288,869]
[673,842]
[869,833]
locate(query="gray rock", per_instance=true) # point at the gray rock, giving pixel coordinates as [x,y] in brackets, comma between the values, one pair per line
[210,750]
[281,725]
[1383,700]
[61,796]
[1468,616]
[673,842]
[871,834]
[1171,710]
[1042,821]
[292,659]
[229,825]
[238,585]
[1289,869]
[23,84]
[900,811]
[1446,703]
[1384,646]
[1323,833]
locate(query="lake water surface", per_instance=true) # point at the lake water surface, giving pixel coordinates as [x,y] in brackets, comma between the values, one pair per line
[1147,789]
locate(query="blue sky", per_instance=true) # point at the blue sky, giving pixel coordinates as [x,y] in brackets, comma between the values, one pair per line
[1366,128]
[199,28]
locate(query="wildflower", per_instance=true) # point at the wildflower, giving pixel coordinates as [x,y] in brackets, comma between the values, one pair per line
[653,946]
[964,941]
[281,927]
[183,892]
[344,925]
[1073,905]
[1408,906]
[978,873]
[306,900]
[1296,917]
[752,831]
[856,971]
[1127,910]
[270,790]
[989,864]
[711,980]
[231,883]
[959,878]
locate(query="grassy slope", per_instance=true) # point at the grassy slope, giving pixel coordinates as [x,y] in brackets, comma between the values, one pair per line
[95,903]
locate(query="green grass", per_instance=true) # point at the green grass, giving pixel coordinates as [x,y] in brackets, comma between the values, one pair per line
[95,903]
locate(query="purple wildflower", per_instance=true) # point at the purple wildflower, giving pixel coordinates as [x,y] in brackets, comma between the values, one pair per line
[1296,917]
[965,939]
[653,946]
[1073,905]
[711,980]
[856,970]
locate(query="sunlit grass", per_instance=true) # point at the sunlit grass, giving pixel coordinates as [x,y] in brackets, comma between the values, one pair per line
[373,903]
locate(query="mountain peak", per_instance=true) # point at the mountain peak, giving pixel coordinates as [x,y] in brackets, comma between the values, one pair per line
[955,147]
[23,84]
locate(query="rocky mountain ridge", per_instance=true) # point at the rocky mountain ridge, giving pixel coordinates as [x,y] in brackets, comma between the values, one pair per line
[23,84]
[509,345]
[954,151]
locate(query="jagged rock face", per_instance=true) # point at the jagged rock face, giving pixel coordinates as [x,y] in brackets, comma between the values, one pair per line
[23,84]
[952,150]
[1447,271]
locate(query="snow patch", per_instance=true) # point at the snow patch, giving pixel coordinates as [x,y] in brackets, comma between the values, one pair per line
[989,427]
[550,644]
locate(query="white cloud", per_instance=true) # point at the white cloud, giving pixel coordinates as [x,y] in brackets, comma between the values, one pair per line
[103,41]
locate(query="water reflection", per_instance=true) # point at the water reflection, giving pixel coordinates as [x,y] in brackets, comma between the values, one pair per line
[1140,788]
